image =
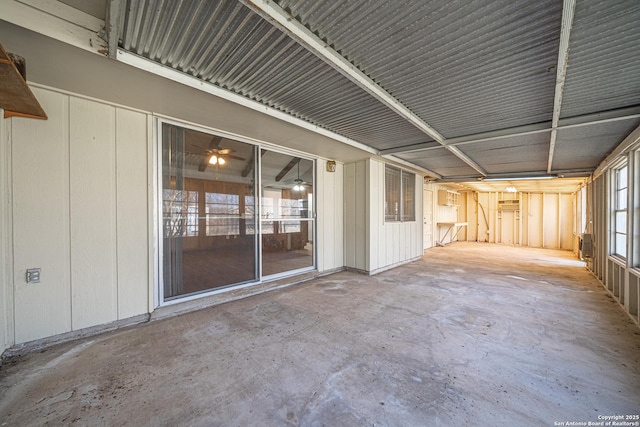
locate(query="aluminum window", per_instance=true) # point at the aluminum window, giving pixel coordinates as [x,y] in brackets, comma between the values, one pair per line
[620,203]
[400,195]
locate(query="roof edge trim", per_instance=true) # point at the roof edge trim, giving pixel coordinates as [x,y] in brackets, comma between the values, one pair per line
[169,73]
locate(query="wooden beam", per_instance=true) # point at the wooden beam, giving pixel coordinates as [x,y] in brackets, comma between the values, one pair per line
[249,167]
[287,168]
[214,143]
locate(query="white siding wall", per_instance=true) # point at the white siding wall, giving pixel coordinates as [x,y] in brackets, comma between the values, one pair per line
[355,208]
[372,245]
[6,245]
[76,192]
[621,277]
[330,217]
[79,215]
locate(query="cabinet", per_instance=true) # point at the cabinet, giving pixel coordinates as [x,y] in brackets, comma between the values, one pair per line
[448,198]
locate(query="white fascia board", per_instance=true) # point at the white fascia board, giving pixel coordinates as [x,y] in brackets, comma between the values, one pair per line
[58,21]
[185,79]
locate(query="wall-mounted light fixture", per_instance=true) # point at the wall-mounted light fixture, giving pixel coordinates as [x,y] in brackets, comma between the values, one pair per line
[331,166]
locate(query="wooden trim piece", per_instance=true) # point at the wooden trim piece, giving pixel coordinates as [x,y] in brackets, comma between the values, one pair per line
[16,97]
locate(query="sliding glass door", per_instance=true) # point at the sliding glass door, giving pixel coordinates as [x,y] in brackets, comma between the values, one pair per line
[215,232]
[286,213]
[208,212]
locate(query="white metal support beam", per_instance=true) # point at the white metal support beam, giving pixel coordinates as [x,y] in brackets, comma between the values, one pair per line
[112,26]
[568,12]
[274,14]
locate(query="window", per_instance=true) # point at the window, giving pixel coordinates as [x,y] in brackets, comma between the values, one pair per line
[223,214]
[400,190]
[620,215]
[180,211]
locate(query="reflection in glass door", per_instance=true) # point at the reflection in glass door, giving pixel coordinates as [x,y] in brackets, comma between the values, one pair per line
[287,221]
[208,212]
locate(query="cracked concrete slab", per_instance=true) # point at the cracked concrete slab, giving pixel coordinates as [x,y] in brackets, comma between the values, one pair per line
[471,334]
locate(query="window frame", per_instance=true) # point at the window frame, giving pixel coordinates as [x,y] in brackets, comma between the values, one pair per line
[403,197]
[619,205]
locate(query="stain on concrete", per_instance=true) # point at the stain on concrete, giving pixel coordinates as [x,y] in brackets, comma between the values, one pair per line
[464,336]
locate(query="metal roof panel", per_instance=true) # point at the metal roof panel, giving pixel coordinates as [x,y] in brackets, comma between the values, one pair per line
[604,60]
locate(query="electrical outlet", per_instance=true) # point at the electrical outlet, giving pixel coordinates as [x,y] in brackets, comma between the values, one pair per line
[33,275]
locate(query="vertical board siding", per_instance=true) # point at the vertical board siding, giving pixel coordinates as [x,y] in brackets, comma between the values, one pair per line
[566,222]
[41,220]
[132,210]
[377,242]
[360,215]
[550,231]
[372,244]
[544,220]
[322,222]
[336,249]
[330,217]
[534,215]
[7,338]
[352,244]
[93,213]
[393,242]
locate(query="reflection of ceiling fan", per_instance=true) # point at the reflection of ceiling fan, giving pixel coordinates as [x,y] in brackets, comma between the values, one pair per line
[299,183]
[214,155]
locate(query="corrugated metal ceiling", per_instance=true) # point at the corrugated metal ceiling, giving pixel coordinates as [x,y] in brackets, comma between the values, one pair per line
[462,68]
[225,44]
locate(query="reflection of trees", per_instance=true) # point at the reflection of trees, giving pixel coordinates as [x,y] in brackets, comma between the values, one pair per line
[178,219]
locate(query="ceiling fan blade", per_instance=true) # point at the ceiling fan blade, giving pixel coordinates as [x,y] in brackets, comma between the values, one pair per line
[198,148]
[229,156]
[225,151]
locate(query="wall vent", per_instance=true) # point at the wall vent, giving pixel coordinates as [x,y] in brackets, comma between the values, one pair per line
[509,205]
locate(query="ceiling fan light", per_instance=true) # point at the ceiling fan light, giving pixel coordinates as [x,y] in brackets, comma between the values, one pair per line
[213,160]
[221,161]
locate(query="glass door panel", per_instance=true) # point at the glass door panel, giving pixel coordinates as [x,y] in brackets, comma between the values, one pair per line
[288,226]
[208,212]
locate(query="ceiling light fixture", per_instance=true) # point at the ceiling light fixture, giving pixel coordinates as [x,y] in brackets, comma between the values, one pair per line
[298,186]
[215,160]
[511,189]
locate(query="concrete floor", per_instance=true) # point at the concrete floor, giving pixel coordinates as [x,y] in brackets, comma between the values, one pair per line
[472,334]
